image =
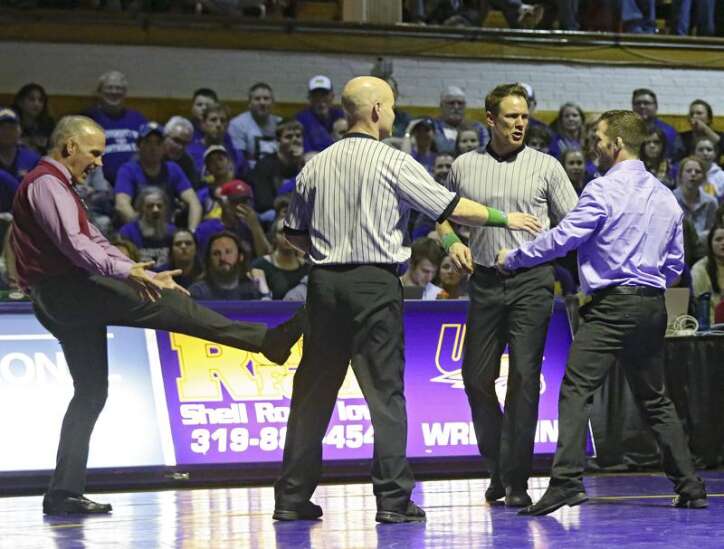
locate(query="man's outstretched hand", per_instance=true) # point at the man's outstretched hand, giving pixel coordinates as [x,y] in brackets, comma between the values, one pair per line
[149,287]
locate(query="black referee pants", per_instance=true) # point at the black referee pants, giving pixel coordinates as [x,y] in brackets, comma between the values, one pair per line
[629,329]
[76,309]
[507,310]
[355,313]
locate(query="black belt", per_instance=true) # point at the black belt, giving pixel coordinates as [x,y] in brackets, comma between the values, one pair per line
[393,268]
[493,271]
[647,291]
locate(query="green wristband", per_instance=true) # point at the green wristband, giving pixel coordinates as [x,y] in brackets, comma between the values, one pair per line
[448,240]
[496,218]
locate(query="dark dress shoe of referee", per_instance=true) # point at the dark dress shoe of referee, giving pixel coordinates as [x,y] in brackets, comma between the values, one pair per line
[278,341]
[517,498]
[68,504]
[413,513]
[303,511]
[553,499]
[494,492]
[689,502]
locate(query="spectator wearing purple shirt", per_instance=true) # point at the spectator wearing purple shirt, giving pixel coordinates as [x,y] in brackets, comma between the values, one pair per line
[120,123]
[646,105]
[568,127]
[80,284]
[213,126]
[318,118]
[149,169]
[8,186]
[15,158]
[627,228]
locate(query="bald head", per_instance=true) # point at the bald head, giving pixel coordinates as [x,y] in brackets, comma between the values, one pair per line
[73,127]
[78,143]
[368,102]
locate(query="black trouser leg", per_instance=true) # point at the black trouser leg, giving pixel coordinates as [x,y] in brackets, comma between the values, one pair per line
[515,310]
[378,361]
[485,339]
[325,358]
[86,354]
[103,300]
[632,328]
[595,350]
[643,362]
[528,318]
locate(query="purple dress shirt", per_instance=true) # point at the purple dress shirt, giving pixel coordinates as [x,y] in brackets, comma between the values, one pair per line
[627,227]
[56,212]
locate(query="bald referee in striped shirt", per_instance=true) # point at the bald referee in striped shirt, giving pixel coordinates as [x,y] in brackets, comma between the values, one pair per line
[506,310]
[348,212]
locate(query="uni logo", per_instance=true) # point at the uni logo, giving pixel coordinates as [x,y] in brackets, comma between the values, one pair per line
[449,361]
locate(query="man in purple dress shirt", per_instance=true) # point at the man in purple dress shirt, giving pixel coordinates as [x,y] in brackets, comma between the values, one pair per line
[80,283]
[627,227]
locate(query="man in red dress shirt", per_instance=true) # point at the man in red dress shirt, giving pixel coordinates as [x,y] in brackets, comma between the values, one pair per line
[80,283]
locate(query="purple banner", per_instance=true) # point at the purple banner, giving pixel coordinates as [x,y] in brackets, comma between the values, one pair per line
[230,406]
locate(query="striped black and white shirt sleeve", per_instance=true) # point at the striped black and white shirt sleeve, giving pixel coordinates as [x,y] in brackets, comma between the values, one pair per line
[421,192]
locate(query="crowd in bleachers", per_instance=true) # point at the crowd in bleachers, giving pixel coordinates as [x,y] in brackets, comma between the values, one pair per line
[207,194]
[678,17]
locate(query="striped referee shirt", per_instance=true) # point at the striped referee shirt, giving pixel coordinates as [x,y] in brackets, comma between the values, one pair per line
[524,181]
[353,200]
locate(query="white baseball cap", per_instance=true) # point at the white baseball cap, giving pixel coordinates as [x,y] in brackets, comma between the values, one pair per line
[320,82]
[528,89]
[452,91]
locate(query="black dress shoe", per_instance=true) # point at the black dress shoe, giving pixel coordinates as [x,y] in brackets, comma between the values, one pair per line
[413,513]
[73,505]
[689,502]
[515,498]
[278,341]
[494,492]
[304,511]
[553,499]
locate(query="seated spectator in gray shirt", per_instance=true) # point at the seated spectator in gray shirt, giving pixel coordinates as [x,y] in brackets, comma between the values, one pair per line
[254,131]
[452,117]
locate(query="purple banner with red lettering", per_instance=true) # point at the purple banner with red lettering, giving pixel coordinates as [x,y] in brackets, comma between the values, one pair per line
[231,406]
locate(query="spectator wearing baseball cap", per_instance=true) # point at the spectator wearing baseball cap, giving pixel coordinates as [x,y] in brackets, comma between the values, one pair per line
[15,158]
[149,169]
[452,116]
[318,118]
[219,170]
[236,199]
[532,104]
